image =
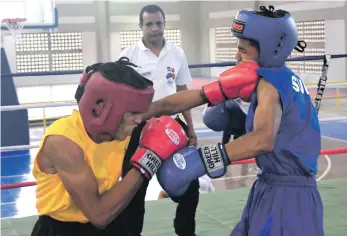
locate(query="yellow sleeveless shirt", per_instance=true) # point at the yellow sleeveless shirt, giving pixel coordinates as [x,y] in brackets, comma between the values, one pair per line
[105,160]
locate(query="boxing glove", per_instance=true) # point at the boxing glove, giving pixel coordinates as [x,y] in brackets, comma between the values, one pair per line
[231,106]
[237,115]
[216,117]
[237,82]
[190,163]
[160,138]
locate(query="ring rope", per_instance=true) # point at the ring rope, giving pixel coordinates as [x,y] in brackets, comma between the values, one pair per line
[341,83]
[210,65]
[37,105]
[323,152]
[74,103]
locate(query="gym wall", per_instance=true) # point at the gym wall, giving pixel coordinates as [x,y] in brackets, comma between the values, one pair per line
[200,28]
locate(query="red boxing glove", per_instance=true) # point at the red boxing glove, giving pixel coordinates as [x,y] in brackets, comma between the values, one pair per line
[160,138]
[239,81]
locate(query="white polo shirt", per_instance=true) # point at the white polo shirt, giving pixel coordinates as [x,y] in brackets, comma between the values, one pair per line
[166,71]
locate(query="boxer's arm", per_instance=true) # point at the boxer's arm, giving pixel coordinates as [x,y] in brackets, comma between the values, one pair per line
[175,103]
[267,119]
[239,81]
[186,114]
[80,182]
[188,118]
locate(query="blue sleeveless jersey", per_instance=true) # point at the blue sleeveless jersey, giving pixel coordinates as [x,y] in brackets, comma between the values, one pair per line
[298,142]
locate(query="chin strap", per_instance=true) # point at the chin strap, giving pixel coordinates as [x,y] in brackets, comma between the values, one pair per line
[300,46]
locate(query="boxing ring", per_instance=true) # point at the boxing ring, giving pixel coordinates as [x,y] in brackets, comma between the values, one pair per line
[218,212]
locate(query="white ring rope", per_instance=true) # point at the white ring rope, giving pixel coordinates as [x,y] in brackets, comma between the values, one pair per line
[18,148]
[74,103]
[38,105]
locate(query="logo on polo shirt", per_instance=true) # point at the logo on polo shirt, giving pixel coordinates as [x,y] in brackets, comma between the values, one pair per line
[170,76]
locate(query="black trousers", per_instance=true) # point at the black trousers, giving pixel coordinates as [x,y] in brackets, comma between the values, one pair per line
[47,226]
[130,221]
[184,222]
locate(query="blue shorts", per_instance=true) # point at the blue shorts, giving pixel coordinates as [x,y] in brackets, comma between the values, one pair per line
[282,206]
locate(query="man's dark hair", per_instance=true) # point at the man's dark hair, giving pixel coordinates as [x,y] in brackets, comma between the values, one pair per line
[150,9]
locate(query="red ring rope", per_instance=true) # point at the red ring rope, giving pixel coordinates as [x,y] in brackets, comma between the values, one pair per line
[249,161]
[18,185]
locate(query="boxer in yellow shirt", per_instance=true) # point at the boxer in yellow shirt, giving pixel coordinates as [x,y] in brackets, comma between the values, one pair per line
[83,185]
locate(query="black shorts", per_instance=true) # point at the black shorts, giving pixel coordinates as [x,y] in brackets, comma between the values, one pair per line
[128,223]
[47,226]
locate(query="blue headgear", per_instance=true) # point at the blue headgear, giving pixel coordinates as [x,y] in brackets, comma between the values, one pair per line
[277,37]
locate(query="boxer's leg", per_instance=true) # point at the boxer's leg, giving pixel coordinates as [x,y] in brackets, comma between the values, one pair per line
[184,222]
[47,226]
[285,207]
[242,227]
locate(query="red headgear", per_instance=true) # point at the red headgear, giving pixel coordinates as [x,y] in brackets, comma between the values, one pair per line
[103,101]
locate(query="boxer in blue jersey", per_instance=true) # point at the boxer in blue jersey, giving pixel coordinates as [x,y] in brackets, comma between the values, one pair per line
[283,132]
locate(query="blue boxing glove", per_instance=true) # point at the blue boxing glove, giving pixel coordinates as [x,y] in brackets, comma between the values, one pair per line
[231,106]
[216,117]
[190,163]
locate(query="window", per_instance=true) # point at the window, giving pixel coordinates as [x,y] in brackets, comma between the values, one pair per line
[225,45]
[66,51]
[40,52]
[173,36]
[131,37]
[128,38]
[313,33]
[33,53]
